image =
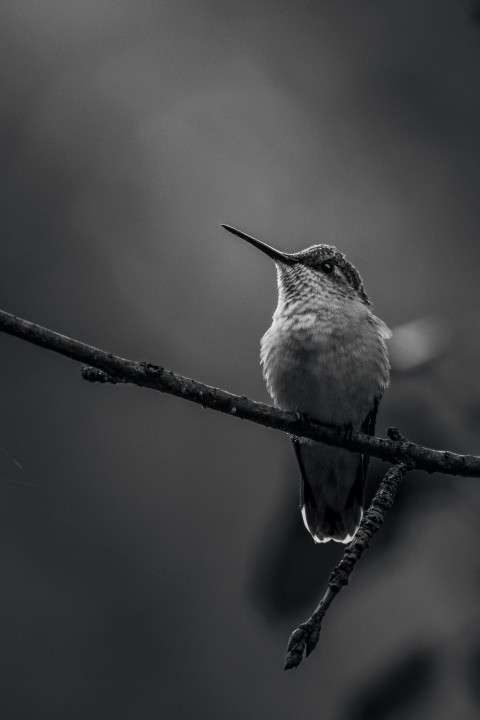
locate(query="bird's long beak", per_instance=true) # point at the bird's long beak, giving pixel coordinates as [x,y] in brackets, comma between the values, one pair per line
[271,252]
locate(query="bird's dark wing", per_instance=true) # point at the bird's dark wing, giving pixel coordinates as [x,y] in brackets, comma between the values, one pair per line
[368,428]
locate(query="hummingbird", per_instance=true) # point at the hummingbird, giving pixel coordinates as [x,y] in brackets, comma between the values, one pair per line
[325,356]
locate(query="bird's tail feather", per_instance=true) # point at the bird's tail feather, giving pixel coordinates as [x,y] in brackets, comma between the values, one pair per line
[332,490]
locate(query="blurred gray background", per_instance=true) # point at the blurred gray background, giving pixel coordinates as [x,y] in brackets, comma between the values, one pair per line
[152,558]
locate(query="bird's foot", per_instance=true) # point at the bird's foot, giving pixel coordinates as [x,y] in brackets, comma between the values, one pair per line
[345,432]
[302,417]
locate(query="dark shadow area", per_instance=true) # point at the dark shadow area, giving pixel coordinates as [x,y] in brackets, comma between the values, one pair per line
[398,689]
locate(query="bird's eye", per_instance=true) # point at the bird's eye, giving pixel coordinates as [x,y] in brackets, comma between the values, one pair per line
[327,266]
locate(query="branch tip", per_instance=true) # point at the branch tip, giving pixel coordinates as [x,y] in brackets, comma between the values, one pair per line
[302,642]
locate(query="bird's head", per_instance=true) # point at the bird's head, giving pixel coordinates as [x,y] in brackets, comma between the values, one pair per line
[318,270]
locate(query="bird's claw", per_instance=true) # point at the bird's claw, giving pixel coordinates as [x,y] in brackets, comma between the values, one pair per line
[301,416]
[345,432]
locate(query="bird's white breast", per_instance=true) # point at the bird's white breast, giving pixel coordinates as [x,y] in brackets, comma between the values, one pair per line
[328,362]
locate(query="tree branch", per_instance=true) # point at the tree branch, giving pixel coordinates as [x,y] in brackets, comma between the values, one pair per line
[404,455]
[305,638]
[119,370]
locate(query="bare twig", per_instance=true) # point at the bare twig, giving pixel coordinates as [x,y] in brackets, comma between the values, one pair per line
[119,370]
[94,375]
[304,639]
